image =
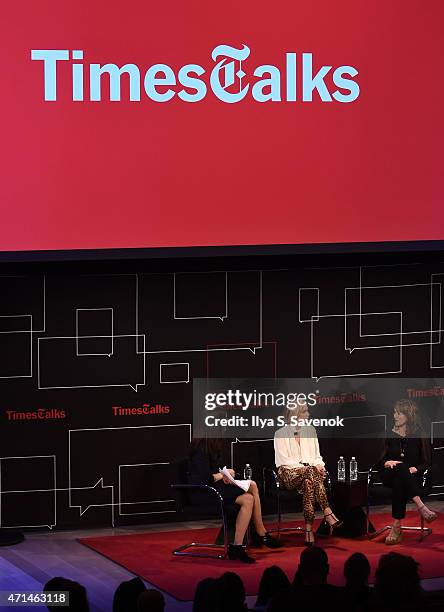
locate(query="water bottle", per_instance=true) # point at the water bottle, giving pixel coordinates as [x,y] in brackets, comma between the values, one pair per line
[248,472]
[353,469]
[341,469]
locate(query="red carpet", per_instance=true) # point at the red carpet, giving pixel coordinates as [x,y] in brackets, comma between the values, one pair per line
[149,555]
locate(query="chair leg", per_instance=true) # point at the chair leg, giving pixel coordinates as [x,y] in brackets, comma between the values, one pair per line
[225,526]
[219,547]
[367,519]
[182,550]
[373,534]
[370,534]
[424,531]
[280,530]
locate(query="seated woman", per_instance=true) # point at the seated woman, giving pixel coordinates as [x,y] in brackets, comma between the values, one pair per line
[205,459]
[300,466]
[406,455]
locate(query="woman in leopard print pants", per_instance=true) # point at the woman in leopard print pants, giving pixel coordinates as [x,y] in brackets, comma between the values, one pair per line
[308,481]
[300,466]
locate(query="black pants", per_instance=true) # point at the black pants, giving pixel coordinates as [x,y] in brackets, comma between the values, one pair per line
[404,486]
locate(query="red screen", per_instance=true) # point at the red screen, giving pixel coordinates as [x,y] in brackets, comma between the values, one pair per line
[89,174]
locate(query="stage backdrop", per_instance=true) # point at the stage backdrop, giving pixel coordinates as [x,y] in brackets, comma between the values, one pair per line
[97,362]
[187,123]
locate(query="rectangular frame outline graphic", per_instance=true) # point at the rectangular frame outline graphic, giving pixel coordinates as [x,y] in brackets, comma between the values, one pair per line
[54,490]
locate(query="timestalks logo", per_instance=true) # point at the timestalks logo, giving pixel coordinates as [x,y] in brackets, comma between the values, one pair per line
[40,414]
[138,410]
[227,79]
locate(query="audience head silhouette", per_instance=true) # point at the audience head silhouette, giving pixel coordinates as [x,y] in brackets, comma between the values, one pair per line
[313,567]
[151,600]
[231,592]
[126,595]
[206,596]
[397,580]
[78,600]
[357,570]
[273,580]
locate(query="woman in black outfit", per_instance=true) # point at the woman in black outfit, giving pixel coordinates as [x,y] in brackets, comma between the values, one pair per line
[205,459]
[406,456]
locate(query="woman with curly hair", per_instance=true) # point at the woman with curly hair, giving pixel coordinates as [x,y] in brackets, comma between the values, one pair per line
[407,455]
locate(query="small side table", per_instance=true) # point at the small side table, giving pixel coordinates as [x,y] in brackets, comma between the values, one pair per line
[347,500]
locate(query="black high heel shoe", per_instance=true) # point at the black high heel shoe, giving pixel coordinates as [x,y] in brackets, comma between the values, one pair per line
[308,542]
[266,540]
[332,526]
[237,552]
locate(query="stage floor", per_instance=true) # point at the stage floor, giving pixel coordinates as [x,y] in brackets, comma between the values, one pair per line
[43,555]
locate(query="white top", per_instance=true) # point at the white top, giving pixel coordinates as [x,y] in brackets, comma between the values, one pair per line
[289,453]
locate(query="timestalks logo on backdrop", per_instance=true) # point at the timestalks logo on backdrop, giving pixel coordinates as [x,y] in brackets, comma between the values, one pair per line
[138,410]
[41,414]
[227,79]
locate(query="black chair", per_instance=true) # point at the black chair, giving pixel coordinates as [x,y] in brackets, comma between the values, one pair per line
[376,490]
[197,501]
[273,486]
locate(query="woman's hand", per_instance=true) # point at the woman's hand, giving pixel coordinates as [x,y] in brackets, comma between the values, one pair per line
[391,464]
[226,479]
[412,470]
[321,470]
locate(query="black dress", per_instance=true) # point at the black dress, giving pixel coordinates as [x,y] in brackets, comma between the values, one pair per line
[413,451]
[201,469]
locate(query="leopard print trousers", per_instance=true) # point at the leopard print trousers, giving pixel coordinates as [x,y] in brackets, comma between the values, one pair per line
[309,482]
